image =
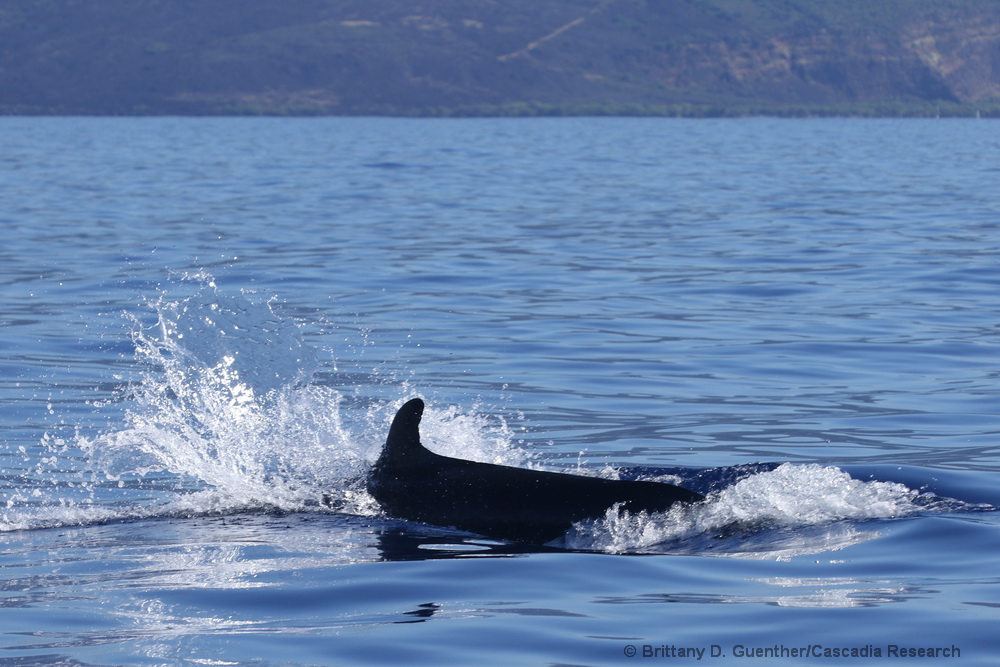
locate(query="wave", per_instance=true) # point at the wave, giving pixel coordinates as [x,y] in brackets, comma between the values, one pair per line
[789,496]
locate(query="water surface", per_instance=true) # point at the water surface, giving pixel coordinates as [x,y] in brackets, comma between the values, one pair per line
[207,324]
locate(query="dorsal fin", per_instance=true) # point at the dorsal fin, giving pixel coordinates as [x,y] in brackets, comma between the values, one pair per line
[404,435]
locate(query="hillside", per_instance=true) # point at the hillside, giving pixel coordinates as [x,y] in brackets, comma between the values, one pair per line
[441,57]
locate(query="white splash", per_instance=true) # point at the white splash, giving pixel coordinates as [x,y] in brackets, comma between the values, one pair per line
[225,405]
[790,496]
[223,416]
[473,436]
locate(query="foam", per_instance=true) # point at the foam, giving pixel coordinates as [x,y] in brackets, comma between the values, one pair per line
[224,417]
[790,496]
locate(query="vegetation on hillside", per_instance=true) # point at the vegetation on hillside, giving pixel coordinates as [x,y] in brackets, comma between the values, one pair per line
[485,57]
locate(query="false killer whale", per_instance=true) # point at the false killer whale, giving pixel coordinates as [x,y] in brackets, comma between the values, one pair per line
[516,504]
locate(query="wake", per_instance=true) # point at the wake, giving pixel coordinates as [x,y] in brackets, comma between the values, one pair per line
[225,417]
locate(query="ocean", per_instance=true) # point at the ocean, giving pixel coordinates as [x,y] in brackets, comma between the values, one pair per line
[208,324]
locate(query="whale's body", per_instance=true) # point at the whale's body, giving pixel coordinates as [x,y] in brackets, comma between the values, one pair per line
[410,482]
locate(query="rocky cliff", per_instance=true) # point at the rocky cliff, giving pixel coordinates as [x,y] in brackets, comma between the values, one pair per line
[493,56]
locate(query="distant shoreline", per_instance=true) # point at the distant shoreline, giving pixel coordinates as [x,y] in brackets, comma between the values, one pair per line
[547,110]
[521,58]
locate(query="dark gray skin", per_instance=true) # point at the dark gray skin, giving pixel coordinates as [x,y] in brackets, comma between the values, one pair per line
[413,483]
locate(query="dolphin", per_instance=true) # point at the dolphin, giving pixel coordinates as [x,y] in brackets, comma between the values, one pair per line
[515,504]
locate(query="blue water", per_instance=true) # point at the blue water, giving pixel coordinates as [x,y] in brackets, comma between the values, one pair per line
[208,324]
